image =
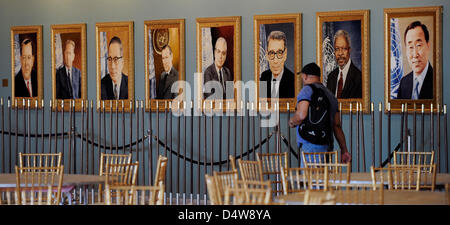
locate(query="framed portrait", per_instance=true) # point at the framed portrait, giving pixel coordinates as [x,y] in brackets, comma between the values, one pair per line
[26,65]
[219,61]
[343,54]
[277,59]
[69,65]
[412,54]
[115,64]
[164,62]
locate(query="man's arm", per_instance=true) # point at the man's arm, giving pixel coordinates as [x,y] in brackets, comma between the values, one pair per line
[339,134]
[300,114]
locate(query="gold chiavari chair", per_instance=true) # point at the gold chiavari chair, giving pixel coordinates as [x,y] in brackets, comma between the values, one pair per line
[413,158]
[302,179]
[160,175]
[40,159]
[121,174]
[404,177]
[134,195]
[106,159]
[38,185]
[358,194]
[214,196]
[250,170]
[319,157]
[232,162]
[225,179]
[272,164]
[337,172]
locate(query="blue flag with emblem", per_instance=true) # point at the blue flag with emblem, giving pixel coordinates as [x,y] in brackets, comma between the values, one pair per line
[396,58]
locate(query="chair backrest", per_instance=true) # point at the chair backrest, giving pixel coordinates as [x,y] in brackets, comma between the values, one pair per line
[121,174]
[160,175]
[106,159]
[319,157]
[413,158]
[272,164]
[38,185]
[302,179]
[213,193]
[248,196]
[40,159]
[134,195]
[358,194]
[313,197]
[225,179]
[337,172]
[250,170]
[405,177]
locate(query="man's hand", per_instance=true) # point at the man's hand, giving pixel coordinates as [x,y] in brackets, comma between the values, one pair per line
[346,157]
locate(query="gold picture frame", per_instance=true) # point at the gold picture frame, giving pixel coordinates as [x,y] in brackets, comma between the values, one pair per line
[158,34]
[63,35]
[289,25]
[33,35]
[210,30]
[397,24]
[353,26]
[105,31]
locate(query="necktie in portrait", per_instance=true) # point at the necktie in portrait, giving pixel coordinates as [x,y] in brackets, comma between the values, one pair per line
[340,84]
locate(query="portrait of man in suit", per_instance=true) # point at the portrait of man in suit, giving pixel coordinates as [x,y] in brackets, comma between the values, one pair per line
[346,80]
[26,78]
[280,81]
[68,77]
[168,76]
[418,84]
[217,71]
[114,85]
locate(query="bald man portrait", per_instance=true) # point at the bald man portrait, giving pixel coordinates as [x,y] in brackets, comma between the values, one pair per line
[217,71]
[68,77]
[25,81]
[115,84]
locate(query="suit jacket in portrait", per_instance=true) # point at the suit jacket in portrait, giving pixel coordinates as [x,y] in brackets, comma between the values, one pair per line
[163,90]
[287,83]
[21,89]
[353,82]
[63,82]
[406,86]
[211,74]
[107,92]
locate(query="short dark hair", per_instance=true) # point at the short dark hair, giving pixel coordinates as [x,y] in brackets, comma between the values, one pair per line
[116,39]
[167,46]
[417,24]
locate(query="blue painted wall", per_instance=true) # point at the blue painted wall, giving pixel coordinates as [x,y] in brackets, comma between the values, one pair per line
[48,12]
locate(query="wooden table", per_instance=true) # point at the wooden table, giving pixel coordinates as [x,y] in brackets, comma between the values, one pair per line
[391,197]
[70,182]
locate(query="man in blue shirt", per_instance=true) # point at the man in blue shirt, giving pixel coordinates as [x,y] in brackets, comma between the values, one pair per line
[311,74]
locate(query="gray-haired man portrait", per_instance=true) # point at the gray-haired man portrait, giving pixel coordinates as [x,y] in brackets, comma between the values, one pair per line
[346,80]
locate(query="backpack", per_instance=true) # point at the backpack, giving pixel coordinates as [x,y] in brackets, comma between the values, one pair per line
[316,127]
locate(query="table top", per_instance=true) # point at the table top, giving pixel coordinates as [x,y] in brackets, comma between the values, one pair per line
[441,178]
[391,197]
[8,180]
